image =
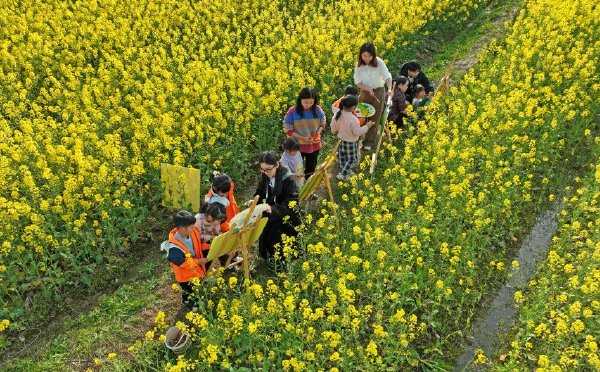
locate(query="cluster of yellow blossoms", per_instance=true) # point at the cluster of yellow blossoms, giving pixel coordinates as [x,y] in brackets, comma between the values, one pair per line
[428,235]
[95,95]
[98,94]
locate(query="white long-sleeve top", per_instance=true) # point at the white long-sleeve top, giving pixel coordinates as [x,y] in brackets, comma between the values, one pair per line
[373,77]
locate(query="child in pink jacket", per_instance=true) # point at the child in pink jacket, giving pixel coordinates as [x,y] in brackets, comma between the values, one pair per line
[348,130]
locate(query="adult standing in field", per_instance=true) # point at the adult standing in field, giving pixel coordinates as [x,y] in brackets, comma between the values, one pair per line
[305,121]
[416,76]
[371,76]
[278,189]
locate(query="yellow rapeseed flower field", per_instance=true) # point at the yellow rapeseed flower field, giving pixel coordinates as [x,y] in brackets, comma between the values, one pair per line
[425,238]
[95,95]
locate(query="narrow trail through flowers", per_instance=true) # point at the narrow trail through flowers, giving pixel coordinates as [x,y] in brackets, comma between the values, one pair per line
[501,314]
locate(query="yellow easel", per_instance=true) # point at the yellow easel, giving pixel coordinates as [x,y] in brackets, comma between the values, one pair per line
[320,174]
[180,186]
[238,239]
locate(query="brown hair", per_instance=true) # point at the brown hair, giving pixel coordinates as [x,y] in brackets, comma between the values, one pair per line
[368,47]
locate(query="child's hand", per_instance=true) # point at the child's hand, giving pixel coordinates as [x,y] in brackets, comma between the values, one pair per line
[249,202]
[370,123]
[201,261]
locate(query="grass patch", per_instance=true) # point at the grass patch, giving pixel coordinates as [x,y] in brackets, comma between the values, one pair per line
[116,321]
[442,43]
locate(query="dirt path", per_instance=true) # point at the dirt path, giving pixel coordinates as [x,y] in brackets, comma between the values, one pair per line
[502,312]
[490,26]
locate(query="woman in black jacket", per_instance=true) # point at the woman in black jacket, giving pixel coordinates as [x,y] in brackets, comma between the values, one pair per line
[412,70]
[278,189]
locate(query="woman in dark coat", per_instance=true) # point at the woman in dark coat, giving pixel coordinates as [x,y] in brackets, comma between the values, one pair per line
[412,70]
[278,189]
[398,109]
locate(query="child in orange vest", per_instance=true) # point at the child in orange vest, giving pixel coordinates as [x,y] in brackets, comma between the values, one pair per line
[221,191]
[184,254]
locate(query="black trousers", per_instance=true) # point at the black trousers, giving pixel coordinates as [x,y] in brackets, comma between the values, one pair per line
[310,162]
[186,294]
[269,244]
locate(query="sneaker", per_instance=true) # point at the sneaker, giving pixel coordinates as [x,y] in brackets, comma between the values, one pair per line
[367,148]
[190,306]
[341,177]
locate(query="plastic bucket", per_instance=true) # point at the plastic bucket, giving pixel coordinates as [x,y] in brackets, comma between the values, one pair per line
[177,341]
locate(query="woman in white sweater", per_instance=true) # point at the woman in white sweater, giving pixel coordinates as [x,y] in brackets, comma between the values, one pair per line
[347,127]
[371,75]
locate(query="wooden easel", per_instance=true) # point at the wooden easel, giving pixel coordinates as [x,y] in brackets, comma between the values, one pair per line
[385,130]
[237,239]
[320,174]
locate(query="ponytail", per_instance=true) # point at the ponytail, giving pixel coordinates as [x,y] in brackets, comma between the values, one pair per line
[339,113]
[346,102]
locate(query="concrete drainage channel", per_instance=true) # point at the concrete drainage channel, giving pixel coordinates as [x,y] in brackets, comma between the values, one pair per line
[501,314]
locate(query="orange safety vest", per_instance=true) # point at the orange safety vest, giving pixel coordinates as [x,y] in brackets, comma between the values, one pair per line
[231,210]
[190,268]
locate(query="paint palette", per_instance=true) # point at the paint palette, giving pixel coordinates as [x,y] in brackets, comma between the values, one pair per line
[364,110]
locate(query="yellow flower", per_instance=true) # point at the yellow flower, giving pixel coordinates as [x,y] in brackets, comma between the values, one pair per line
[518,297]
[399,316]
[210,354]
[543,361]
[149,335]
[378,330]
[335,356]
[4,324]
[159,319]
[577,326]
[371,349]
[480,357]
